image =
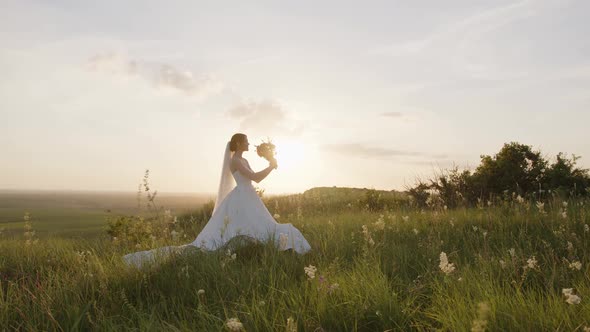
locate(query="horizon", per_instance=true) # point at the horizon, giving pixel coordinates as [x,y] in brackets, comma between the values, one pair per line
[168,193]
[370,95]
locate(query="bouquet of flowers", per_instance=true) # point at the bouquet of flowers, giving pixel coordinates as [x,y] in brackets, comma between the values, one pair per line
[266,150]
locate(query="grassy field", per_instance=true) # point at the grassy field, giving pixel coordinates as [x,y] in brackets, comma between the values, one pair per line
[80,214]
[508,265]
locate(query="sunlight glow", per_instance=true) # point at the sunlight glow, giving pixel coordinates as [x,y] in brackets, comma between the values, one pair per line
[300,165]
[290,154]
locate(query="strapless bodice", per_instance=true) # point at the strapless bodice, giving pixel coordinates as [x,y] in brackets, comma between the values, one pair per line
[241,180]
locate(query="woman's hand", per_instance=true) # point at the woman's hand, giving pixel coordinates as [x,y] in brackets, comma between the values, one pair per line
[273,163]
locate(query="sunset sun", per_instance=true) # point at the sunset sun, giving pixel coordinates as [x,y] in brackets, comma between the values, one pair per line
[290,154]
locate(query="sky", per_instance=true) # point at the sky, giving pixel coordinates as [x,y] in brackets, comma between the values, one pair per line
[369,94]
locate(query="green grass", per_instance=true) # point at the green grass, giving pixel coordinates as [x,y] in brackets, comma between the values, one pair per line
[82,223]
[390,283]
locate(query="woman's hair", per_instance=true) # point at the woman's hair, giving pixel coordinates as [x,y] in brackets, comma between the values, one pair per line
[235,139]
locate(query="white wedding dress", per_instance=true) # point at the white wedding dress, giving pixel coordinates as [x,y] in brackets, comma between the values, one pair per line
[240,213]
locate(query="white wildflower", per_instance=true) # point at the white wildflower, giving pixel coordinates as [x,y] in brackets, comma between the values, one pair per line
[291,325]
[512,252]
[184,270]
[233,324]
[283,241]
[570,246]
[406,218]
[379,224]
[564,214]
[201,292]
[310,271]
[541,207]
[475,228]
[365,230]
[519,199]
[570,297]
[480,324]
[277,216]
[531,263]
[444,265]
[367,235]
[334,287]
[575,265]
[231,255]
[502,263]
[564,204]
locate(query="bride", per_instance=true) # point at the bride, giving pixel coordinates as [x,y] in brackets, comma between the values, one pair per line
[238,211]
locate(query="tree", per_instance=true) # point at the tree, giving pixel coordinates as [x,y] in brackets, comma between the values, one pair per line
[515,168]
[563,175]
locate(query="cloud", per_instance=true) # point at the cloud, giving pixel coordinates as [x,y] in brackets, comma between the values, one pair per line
[473,45]
[445,164]
[392,114]
[372,152]
[266,117]
[160,75]
[468,28]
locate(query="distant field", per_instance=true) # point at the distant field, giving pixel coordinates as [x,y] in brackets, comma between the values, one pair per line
[80,213]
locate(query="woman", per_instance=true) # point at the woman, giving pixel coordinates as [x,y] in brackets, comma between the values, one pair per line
[238,211]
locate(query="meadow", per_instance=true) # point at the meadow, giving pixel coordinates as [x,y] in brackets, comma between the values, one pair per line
[378,263]
[80,214]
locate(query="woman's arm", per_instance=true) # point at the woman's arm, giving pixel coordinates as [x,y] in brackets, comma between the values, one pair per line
[254,176]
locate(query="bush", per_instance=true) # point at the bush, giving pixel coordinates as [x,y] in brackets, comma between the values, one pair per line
[142,230]
[516,168]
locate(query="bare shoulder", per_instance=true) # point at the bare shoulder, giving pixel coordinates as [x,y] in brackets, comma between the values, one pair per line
[245,161]
[232,164]
[235,159]
[235,162]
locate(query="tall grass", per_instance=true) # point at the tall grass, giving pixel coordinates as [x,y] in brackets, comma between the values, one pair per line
[384,276]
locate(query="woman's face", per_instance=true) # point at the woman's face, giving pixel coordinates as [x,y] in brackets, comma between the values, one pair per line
[244,144]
